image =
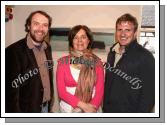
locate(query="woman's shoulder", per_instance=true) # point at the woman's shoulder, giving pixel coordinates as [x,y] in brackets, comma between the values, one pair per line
[98,62]
[64,60]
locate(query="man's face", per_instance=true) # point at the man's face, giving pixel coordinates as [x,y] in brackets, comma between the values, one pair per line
[125,33]
[39,27]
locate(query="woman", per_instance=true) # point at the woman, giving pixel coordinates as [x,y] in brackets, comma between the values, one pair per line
[80,76]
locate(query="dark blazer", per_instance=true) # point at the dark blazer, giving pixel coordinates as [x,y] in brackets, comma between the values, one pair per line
[130,86]
[21,68]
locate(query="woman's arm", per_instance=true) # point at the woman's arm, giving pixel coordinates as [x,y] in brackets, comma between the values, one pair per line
[61,87]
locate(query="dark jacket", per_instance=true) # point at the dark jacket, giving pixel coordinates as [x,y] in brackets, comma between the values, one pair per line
[21,68]
[130,86]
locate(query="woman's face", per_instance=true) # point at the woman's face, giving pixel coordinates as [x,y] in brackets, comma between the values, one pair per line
[80,41]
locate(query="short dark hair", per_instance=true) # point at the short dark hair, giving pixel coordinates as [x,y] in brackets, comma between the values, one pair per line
[128,17]
[29,19]
[75,30]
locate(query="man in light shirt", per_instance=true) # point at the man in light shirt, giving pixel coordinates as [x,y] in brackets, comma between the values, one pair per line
[130,78]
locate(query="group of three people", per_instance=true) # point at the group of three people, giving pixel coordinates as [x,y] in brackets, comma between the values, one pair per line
[128,86]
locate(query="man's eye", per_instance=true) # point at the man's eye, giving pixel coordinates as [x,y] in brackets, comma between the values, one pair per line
[35,24]
[127,30]
[119,29]
[45,25]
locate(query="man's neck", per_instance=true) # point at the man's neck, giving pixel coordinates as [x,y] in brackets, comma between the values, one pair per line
[35,43]
[122,49]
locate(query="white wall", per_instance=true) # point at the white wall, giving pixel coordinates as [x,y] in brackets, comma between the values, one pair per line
[9,32]
[94,16]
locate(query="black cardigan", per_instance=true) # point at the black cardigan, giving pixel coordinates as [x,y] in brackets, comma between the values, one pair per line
[130,86]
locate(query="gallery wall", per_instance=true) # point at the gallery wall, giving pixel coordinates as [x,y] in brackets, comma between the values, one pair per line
[98,17]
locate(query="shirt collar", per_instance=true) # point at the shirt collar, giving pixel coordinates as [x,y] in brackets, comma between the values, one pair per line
[117,46]
[116,49]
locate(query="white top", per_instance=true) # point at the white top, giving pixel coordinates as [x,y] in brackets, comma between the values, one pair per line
[75,73]
[65,107]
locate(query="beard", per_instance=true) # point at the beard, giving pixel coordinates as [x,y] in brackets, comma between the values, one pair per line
[36,37]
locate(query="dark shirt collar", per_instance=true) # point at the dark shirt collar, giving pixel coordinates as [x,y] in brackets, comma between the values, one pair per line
[131,45]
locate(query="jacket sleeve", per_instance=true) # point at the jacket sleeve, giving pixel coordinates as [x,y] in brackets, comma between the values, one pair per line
[11,81]
[99,87]
[61,86]
[147,73]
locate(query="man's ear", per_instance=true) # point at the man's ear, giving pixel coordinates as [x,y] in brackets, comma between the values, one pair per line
[28,27]
[135,34]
